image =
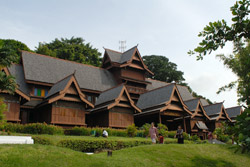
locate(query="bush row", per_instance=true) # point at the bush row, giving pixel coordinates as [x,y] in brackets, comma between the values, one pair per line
[99,145]
[33,128]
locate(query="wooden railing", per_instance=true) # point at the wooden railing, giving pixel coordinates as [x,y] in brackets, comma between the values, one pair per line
[135,90]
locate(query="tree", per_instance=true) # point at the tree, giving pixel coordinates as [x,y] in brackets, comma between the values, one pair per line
[9,53]
[163,69]
[216,35]
[73,49]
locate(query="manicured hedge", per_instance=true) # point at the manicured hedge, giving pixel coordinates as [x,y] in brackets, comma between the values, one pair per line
[42,140]
[98,145]
[33,128]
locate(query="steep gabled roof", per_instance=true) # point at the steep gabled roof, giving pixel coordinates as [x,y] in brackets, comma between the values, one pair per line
[215,111]
[109,95]
[111,98]
[155,84]
[204,102]
[125,58]
[234,111]
[184,92]
[46,69]
[192,104]
[201,125]
[155,97]
[58,90]
[16,70]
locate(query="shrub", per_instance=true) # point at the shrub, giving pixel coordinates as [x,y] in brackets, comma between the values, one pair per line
[42,140]
[78,131]
[98,145]
[42,128]
[171,134]
[145,129]
[117,132]
[131,130]
[194,138]
[34,128]
[162,129]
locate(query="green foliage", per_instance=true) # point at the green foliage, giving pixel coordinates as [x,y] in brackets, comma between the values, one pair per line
[42,140]
[145,129]
[10,51]
[73,49]
[220,132]
[98,145]
[131,130]
[78,131]
[33,128]
[243,130]
[216,34]
[163,69]
[3,108]
[195,138]
[162,129]
[7,83]
[171,134]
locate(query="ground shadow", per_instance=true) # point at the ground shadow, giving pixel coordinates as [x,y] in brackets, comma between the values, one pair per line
[208,162]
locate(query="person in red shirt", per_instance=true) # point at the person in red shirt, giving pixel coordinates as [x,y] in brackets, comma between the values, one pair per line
[161,139]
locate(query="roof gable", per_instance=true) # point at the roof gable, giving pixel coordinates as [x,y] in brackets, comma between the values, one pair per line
[216,111]
[46,69]
[60,89]
[196,107]
[155,97]
[184,92]
[112,97]
[234,111]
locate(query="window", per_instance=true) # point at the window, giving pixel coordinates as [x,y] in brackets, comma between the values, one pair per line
[40,92]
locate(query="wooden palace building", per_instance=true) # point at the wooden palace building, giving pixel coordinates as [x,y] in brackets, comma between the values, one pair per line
[116,95]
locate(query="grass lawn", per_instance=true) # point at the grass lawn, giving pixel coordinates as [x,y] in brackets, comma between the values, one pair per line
[172,155]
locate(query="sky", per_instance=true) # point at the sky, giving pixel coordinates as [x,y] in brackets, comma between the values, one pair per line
[159,27]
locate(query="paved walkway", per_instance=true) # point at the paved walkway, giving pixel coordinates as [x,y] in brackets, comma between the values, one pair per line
[215,141]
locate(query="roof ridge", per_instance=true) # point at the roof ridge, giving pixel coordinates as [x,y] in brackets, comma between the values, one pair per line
[158,80]
[214,104]
[64,78]
[232,107]
[130,49]
[159,88]
[112,50]
[63,60]
[191,99]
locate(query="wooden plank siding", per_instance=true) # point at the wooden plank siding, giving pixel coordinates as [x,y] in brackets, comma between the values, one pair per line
[121,117]
[12,114]
[68,113]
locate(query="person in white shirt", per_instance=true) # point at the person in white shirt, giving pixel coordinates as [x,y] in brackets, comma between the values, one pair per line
[105,133]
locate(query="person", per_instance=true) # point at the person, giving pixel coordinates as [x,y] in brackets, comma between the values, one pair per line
[210,136]
[105,133]
[161,139]
[153,133]
[179,135]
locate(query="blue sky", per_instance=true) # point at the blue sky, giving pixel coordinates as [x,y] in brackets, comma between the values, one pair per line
[160,27]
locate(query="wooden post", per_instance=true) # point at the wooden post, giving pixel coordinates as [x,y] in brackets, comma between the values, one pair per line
[184,122]
[159,117]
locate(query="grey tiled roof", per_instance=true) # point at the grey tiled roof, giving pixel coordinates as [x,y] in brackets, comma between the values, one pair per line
[184,92]
[233,111]
[59,86]
[120,57]
[201,125]
[213,109]
[17,71]
[109,95]
[204,102]
[155,84]
[155,97]
[192,104]
[50,70]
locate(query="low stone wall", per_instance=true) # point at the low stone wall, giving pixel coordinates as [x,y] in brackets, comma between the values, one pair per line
[16,140]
